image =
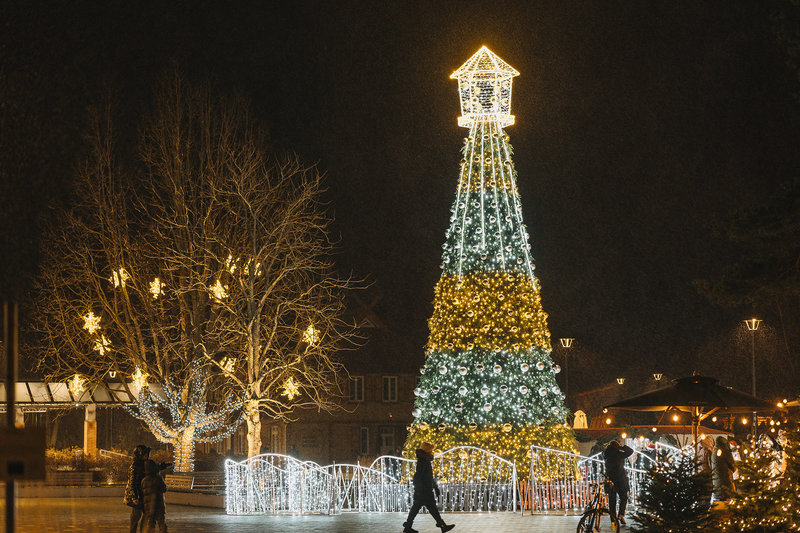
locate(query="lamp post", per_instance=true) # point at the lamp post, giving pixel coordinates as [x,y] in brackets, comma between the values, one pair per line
[752,325]
[566,343]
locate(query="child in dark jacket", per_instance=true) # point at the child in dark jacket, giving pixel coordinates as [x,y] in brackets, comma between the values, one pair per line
[153,489]
[424,488]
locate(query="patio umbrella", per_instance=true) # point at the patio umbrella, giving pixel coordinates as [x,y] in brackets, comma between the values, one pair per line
[699,395]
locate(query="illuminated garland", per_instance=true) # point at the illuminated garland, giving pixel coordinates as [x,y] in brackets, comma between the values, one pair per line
[488,379]
[189,422]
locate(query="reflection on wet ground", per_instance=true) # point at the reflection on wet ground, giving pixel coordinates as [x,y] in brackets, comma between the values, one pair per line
[109,515]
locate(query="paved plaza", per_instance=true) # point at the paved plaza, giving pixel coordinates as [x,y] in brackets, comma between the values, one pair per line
[44,515]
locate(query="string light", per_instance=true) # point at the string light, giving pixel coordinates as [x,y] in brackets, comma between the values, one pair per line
[490,379]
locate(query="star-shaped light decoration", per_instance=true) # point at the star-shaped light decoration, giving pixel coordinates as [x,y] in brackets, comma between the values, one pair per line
[257,268]
[290,389]
[91,322]
[311,335]
[219,291]
[76,384]
[230,264]
[156,288]
[139,378]
[119,277]
[102,344]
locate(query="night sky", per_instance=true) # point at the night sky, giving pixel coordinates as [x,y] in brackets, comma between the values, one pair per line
[639,125]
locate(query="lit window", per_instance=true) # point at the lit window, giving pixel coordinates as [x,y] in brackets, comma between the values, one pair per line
[389,388]
[357,388]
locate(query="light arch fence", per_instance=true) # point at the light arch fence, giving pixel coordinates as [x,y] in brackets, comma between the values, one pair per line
[470,479]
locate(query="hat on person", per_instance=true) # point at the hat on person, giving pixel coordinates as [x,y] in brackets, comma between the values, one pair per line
[426,447]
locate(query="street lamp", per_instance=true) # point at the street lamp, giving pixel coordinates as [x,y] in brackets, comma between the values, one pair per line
[752,325]
[657,376]
[620,380]
[566,343]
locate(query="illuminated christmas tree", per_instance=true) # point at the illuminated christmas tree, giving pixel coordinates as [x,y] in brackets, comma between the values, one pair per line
[488,378]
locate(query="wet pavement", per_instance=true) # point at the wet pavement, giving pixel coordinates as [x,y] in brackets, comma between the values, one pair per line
[108,515]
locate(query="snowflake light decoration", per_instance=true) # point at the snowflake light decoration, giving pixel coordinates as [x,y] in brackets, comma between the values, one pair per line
[139,378]
[228,364]
[311,335]
[219,291]
[102,345]
[119,277]
[156,288]
[290,389]
[91,322]
[77,385]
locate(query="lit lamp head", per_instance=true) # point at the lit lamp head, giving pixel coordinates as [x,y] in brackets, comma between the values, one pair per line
[752,324]
[484,85]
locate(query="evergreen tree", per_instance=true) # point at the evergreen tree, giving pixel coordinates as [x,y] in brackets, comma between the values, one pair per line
[766,499]
[675,498]
[488,378]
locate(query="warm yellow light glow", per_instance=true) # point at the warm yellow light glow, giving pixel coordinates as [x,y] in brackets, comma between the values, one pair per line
[119,277]
[484,85]
[230,264]
[311,335]
[139,378]
[91,322]
[290,389]
[655,429]
[605,410]
[490,310]
[675,418]
[713,418]
[102,345]
[744,420]
[156,288]
[624,435]
[752,324]
[780,404]
[658,376]
[620,380]
[76,384]
[608,421]
[567,343]
[219,291]
[228,364]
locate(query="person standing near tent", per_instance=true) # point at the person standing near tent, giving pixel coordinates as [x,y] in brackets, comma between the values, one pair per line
[614,456]
[424,488]
[722,467]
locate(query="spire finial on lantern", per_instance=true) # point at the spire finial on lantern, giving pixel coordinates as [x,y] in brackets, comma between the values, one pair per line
[484,85]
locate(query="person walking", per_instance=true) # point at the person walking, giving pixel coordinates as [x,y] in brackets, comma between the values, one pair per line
[153,489]
[424,488]
[133,489]
[722,467]
[614,457]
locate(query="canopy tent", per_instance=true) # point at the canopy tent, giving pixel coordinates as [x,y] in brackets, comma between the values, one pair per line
[699,395]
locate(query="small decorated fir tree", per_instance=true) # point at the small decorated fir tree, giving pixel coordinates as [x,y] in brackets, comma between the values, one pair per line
[675,498]
[766,499]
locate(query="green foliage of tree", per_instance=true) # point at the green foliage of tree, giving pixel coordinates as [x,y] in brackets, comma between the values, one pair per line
[675,498]
[766,499]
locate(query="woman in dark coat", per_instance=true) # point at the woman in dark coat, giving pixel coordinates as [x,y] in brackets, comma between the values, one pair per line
[722,467]
[133,489]
[153,489]
[614,456]
[424,488]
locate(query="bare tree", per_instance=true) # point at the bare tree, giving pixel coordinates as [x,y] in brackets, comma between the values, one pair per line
[203,265]
[282,300]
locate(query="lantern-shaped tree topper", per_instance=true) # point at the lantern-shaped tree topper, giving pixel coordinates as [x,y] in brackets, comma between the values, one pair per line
[484,84]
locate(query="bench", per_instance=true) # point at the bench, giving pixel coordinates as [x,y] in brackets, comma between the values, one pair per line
[195,481]
[68,478]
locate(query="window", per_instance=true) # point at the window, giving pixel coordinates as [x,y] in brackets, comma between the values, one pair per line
[364,438]
[357,388]
[389,388]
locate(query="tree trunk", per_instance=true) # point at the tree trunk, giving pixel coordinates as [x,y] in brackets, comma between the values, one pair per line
[253,417]
[183,455]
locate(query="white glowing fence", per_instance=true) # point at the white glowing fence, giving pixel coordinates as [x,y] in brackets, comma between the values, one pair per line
[470,479]
[561,480]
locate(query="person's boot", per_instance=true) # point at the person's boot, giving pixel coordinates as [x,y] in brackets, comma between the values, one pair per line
[408,529]
[445,527]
